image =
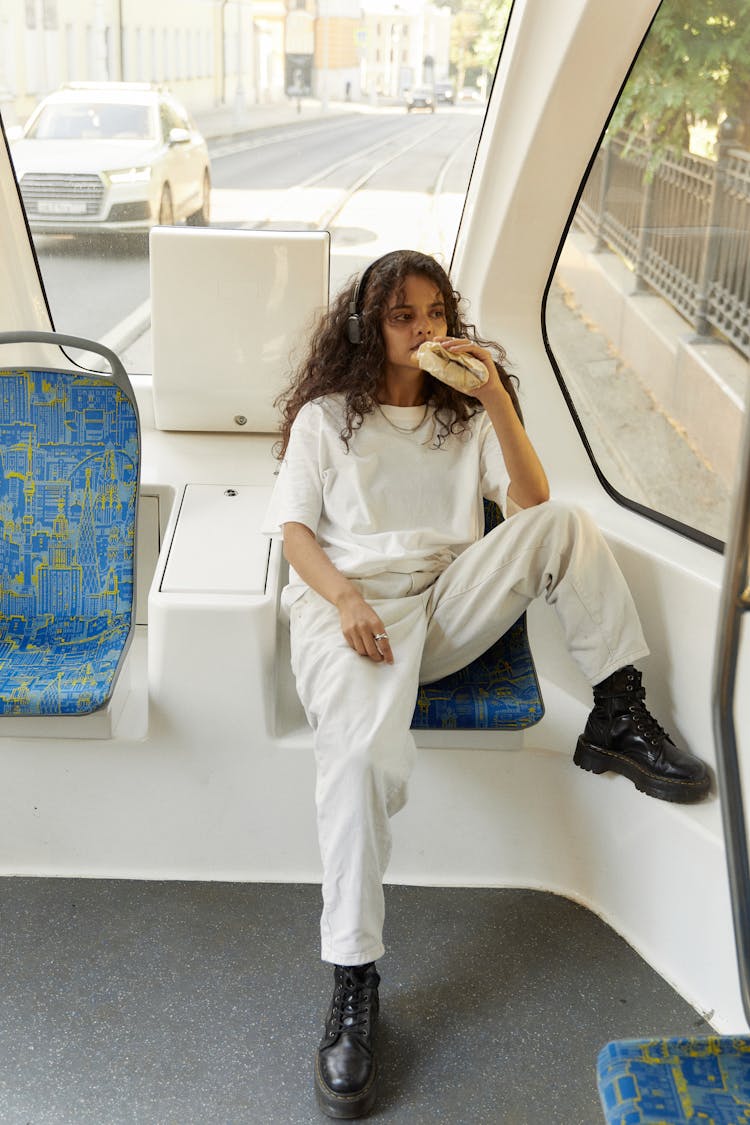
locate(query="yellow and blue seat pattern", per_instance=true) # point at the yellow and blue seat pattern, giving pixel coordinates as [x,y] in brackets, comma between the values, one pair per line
[497,691]
[703,1080]
[69,445]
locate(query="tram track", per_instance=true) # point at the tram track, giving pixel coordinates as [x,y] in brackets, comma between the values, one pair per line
[328,216]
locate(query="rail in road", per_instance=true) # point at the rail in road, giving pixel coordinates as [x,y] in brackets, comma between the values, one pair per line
[297,200]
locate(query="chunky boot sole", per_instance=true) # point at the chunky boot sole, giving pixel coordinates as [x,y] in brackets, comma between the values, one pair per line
[346,1107]
[598,760]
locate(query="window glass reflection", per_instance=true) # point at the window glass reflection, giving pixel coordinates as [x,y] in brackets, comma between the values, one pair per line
[648,312]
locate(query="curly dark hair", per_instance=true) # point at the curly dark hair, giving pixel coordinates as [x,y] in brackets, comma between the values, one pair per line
[336,365]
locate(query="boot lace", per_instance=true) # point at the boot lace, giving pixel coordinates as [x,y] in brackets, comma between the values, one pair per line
[645,722]
[350,1008]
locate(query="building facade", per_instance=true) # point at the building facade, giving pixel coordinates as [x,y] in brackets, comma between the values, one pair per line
[222,52]
[208,52]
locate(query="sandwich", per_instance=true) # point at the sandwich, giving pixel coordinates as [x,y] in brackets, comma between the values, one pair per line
[458,369]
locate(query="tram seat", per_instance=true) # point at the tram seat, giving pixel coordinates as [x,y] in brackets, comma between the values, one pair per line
[70,449]
[671,1081]
[497,691]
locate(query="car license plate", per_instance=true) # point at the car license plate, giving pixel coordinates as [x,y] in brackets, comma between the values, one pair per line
[62,206]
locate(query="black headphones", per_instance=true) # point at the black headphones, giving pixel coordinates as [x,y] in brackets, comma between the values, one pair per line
[354,319]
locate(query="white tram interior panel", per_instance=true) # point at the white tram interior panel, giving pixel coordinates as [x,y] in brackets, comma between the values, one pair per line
[209,774]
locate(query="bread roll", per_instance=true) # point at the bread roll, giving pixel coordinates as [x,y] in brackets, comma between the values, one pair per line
[458,369]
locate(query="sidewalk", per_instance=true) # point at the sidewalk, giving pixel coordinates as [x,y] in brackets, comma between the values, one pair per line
[638,445]
[230,121]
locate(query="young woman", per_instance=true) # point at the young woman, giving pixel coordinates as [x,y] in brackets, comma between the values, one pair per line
[393,583]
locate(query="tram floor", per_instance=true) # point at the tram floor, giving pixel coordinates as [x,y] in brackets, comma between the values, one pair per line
[179,1003]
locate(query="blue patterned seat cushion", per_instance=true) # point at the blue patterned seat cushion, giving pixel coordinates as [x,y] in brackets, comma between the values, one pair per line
[70,453]
[497,691]
[671,1081]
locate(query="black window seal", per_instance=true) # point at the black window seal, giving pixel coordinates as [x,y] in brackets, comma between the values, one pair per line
[32,245]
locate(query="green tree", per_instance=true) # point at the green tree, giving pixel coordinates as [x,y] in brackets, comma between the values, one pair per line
[693,67]
[494,21]
[477,31]
[464,34]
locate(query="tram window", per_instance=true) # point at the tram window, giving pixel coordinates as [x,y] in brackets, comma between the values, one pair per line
[648,310]
[318,138]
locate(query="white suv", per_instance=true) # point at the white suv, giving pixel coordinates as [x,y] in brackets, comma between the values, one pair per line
[111,156]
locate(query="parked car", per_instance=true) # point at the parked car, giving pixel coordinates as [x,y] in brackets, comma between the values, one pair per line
[112,156]
[445,92]
[421,97]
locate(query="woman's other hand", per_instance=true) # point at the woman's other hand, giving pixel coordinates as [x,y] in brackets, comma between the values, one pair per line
[362,628]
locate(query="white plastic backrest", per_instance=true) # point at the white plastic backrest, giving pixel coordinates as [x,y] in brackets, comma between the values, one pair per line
[230,309]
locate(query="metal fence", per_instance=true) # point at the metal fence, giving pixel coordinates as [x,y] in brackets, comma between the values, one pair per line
[682,225]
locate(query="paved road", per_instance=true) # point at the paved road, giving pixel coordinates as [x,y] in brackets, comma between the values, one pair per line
[376,182]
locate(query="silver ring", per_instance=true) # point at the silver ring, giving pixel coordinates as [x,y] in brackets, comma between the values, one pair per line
[380,636]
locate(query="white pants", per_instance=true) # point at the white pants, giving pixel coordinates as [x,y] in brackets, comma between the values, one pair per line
[361,711]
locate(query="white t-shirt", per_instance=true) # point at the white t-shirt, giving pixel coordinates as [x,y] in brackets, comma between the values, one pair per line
[393,502]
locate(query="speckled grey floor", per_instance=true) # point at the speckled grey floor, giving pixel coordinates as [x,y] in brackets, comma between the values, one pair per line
[201,1003]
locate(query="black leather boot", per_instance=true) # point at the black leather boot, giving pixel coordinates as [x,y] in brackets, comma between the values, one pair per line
[622,735]
[345,1066]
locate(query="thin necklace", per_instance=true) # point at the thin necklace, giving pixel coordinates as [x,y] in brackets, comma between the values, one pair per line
[404,429]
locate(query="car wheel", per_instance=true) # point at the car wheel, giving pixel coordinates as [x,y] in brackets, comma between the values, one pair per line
[201,217]
[166,208]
